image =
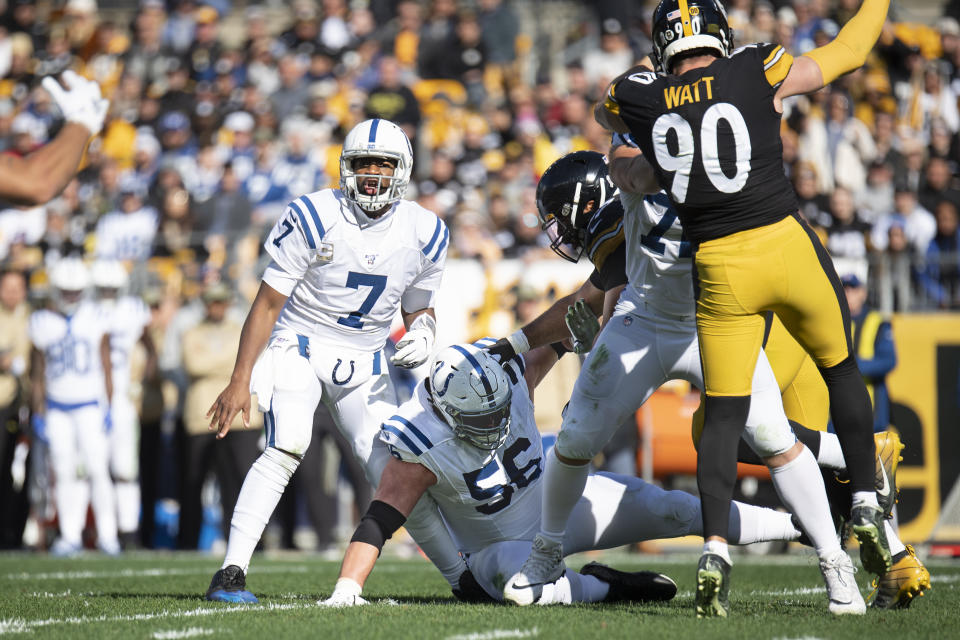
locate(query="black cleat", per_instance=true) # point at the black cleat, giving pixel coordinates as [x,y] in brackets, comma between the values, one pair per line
[637,586]
[713,587]
[230,585]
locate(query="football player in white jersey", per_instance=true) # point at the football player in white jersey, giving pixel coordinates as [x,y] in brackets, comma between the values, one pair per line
[648,339]
[127,318]
[345,262]
[467,444]
[71,391]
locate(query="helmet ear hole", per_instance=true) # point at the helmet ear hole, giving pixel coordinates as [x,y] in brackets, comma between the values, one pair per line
[472,394]
[695,26]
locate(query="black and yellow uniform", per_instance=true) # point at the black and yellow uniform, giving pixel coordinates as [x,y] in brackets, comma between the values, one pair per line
[605,246]
[712,135]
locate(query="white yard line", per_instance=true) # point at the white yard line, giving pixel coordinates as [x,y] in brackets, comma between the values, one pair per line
[136,573]
[174,634]
[496,634]
[21,626]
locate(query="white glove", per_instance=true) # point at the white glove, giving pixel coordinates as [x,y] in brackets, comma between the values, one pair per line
[415,346]
[583,326]
[80,102]
[345,594]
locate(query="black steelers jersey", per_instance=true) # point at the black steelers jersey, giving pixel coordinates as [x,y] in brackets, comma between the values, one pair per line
[713,138]
[605,246]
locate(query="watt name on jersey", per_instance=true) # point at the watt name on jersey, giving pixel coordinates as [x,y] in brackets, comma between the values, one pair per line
[351,280]
[713,138]
[484,496]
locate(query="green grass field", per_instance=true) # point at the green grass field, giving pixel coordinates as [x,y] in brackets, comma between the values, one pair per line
[156,595]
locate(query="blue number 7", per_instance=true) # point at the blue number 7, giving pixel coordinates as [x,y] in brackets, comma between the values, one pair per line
[653,241]
[356,280]
[286,225]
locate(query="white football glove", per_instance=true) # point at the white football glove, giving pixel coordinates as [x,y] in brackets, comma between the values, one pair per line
[415,346]
[80,102]
[583,325]
[345,594]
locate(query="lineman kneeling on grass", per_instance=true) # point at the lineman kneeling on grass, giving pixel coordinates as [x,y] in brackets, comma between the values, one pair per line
[466,444]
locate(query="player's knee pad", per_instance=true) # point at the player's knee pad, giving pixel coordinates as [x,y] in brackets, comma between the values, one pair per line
[575,445]
[769,440]
[680,508]
[279,466]
[123,468]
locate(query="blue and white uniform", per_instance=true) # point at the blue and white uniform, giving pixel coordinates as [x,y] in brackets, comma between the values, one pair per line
[75,425]
[490,500]
[126,319]
[346,284]
[652,338]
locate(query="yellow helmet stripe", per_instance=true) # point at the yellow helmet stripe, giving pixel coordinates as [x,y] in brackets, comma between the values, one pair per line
[685,18]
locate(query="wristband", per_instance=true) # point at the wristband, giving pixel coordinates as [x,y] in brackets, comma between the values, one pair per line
[560,348]
[518,340]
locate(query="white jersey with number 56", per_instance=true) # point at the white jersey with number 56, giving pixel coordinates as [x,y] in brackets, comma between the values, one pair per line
[484,496]
[350,281]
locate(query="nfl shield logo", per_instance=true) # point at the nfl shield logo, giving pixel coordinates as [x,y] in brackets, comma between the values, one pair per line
[370,258]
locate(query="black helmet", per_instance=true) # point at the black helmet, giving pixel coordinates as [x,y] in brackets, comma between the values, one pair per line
[686,26]
[565,187]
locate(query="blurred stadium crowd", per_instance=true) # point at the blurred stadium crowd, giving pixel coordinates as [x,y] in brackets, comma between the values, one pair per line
[221,112]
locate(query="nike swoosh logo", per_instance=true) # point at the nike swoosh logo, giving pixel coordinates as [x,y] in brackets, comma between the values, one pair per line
[884,490]
[528,586]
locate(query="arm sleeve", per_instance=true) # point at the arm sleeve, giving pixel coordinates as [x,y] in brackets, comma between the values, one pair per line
[849,49]
[613,272]
[596,279]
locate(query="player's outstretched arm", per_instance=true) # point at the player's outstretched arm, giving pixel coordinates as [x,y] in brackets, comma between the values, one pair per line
[549,326]
[848,51]
[253,338]
[401,486]
[38,177]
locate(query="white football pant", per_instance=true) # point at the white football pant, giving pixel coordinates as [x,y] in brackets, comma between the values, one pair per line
[634,355]
[78,441]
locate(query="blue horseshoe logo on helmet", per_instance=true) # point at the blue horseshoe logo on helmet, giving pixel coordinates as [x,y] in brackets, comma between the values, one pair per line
[333,375]
[446,383]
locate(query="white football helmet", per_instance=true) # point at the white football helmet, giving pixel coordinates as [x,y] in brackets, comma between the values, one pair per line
[69,280]
[471,391]
[380,139]
[109,274]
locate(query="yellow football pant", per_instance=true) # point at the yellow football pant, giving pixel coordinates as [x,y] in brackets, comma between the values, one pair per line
[782,268]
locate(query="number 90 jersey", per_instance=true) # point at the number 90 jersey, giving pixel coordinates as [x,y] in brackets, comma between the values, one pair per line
[713,137]
[349,281]
[484,496]
[73,370]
